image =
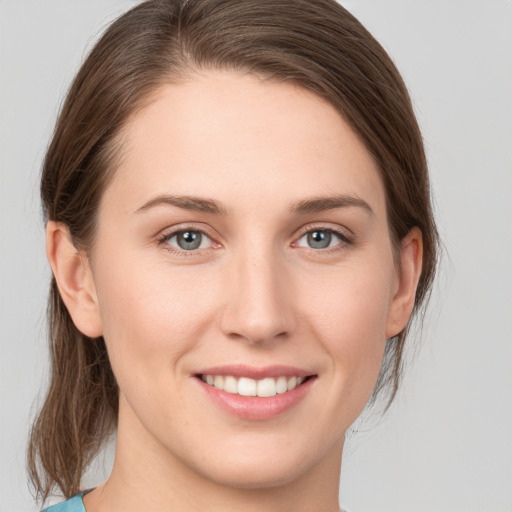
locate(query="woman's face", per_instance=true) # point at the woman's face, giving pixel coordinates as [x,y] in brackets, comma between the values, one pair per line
[243,241]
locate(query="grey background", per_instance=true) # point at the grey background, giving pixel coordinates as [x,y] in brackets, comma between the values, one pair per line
[446,445]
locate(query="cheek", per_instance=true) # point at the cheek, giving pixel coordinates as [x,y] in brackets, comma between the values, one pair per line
[349,312]
[353,301]
[151,318]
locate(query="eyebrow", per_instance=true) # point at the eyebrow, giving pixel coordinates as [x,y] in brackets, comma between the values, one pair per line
[206,205]
[320,204]
[198,204]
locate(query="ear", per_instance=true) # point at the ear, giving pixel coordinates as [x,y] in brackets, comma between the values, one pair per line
[402,303]
[74,279]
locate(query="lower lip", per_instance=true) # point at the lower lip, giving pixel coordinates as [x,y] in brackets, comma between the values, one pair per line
[255,407]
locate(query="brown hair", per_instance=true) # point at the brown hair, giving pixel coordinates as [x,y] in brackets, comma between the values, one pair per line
[315,44]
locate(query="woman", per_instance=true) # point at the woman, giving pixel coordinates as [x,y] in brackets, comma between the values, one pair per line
[239,228]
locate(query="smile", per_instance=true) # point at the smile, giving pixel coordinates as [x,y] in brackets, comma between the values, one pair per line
[256,393]
[245,386]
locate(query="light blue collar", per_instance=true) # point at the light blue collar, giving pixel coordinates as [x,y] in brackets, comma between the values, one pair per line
[74,504]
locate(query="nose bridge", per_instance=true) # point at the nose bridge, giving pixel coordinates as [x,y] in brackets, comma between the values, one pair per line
[258,306]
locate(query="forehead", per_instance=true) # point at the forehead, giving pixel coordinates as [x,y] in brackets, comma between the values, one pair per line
[238,139]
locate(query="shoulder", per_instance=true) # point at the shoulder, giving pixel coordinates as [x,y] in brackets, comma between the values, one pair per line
[74,504]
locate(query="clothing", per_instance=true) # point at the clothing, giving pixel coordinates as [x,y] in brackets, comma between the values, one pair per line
[74,504]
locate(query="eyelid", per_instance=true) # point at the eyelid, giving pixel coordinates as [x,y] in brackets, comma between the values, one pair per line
[165,235]
[345,235]
[342,231]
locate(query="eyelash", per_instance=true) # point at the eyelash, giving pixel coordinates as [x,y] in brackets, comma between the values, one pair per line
[166,236]
[345,239]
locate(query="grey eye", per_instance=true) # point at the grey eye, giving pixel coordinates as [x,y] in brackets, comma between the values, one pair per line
[188,240]
[319,239]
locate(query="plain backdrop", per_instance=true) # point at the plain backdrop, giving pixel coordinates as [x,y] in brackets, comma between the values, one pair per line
[446,444]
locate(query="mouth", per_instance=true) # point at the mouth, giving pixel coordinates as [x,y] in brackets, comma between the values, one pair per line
[247,386]
[256,393]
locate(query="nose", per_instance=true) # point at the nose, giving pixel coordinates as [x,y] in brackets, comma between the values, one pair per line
[258,302]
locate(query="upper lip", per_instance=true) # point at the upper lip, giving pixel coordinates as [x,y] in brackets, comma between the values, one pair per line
[256,373]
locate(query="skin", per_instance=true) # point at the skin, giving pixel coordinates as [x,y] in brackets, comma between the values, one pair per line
[254,293]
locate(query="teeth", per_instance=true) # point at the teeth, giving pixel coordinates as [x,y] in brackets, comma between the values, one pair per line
[246,387]
[267,387]
[282,385]
[250,387]
[230,385]
[292,383]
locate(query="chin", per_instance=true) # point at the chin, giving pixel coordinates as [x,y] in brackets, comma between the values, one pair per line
[266,468]
[255,476]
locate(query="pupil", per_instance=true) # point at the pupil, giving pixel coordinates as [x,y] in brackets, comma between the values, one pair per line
[189,240]
[319,239]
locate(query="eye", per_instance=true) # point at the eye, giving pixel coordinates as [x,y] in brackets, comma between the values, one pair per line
[187,240]
[322,239]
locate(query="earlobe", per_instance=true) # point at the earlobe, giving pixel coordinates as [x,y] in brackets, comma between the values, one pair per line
[402,303]
[74,279]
